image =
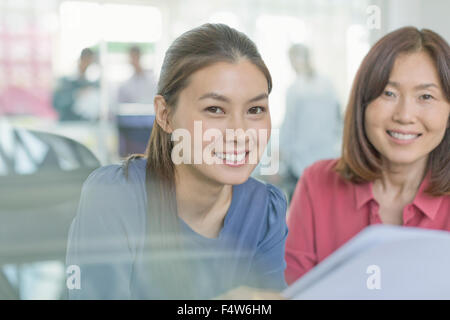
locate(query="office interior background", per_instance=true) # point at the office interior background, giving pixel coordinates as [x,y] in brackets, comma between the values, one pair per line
[41,42]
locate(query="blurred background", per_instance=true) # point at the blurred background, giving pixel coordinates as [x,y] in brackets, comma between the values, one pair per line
[77,80]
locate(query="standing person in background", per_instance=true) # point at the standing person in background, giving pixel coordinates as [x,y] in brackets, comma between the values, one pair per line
[395,163]
[78,98]
[134,131]
[141,87]
[312,123]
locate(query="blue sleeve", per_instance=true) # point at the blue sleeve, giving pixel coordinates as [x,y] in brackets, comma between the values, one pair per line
[98,240]
[269,262]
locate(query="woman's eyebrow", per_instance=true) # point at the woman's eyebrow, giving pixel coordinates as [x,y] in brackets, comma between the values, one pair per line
[425,86]
[259,97]
[216,96]
[418,87]
[394,84]
[213,95]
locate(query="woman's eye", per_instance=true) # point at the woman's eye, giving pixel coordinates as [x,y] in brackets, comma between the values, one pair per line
[388,93]
[215,110]
[256,110]
[426,97]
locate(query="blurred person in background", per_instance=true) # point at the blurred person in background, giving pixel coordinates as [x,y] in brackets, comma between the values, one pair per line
[78,98]
[141,87]
[134,130]
[312,122]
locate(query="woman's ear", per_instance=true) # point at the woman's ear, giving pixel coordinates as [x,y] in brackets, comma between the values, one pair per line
[162,113]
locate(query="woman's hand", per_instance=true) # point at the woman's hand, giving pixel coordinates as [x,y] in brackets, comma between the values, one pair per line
[247,293]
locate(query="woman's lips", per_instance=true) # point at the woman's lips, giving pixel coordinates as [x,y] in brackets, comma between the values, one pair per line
[233,158]
[403,137]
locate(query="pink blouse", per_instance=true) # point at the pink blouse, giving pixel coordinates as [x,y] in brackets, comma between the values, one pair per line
[326,211]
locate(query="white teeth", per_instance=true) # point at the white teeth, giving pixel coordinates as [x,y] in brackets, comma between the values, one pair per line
[402,136]
[240,157]
[231,157]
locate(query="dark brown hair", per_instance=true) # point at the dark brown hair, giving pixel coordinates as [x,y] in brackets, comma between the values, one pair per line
[190,52]
[360,161]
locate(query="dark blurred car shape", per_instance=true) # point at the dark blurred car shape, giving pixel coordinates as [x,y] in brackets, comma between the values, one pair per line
[40,184]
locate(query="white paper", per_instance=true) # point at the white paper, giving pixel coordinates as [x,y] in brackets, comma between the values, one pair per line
[382,262]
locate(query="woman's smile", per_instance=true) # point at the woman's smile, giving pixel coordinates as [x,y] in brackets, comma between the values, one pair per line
[233,159]
[403,137]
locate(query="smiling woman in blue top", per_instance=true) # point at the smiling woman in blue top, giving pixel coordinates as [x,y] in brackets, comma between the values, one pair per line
[159,228]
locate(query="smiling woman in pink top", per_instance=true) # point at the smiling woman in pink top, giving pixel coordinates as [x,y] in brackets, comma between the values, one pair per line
[395,163]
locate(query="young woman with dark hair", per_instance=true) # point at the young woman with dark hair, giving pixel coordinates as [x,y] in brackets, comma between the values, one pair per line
[156,228]
[395,163]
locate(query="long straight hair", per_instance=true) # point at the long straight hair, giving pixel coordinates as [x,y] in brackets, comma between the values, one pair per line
[360,161]
[190,52]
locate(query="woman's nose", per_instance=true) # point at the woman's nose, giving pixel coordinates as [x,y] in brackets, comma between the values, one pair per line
[236,131]
[236,121]
[404,111]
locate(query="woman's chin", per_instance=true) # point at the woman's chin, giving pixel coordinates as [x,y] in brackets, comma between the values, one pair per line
[405,159]
[232,175]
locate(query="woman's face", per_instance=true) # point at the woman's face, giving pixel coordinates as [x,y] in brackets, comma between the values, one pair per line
[409,119]
[218,98]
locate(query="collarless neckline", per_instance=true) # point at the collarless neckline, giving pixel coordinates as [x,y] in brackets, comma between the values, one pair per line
[236,195]
[226,222]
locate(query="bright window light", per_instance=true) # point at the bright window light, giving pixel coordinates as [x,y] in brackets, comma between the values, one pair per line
[227,18]
[357,48]
[282,31]
[79,28]
[128,23]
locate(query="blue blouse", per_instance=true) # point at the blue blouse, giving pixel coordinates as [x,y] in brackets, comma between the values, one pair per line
[107,236]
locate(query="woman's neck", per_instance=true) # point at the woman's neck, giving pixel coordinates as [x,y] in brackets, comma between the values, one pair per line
[202,203]
[401,181]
